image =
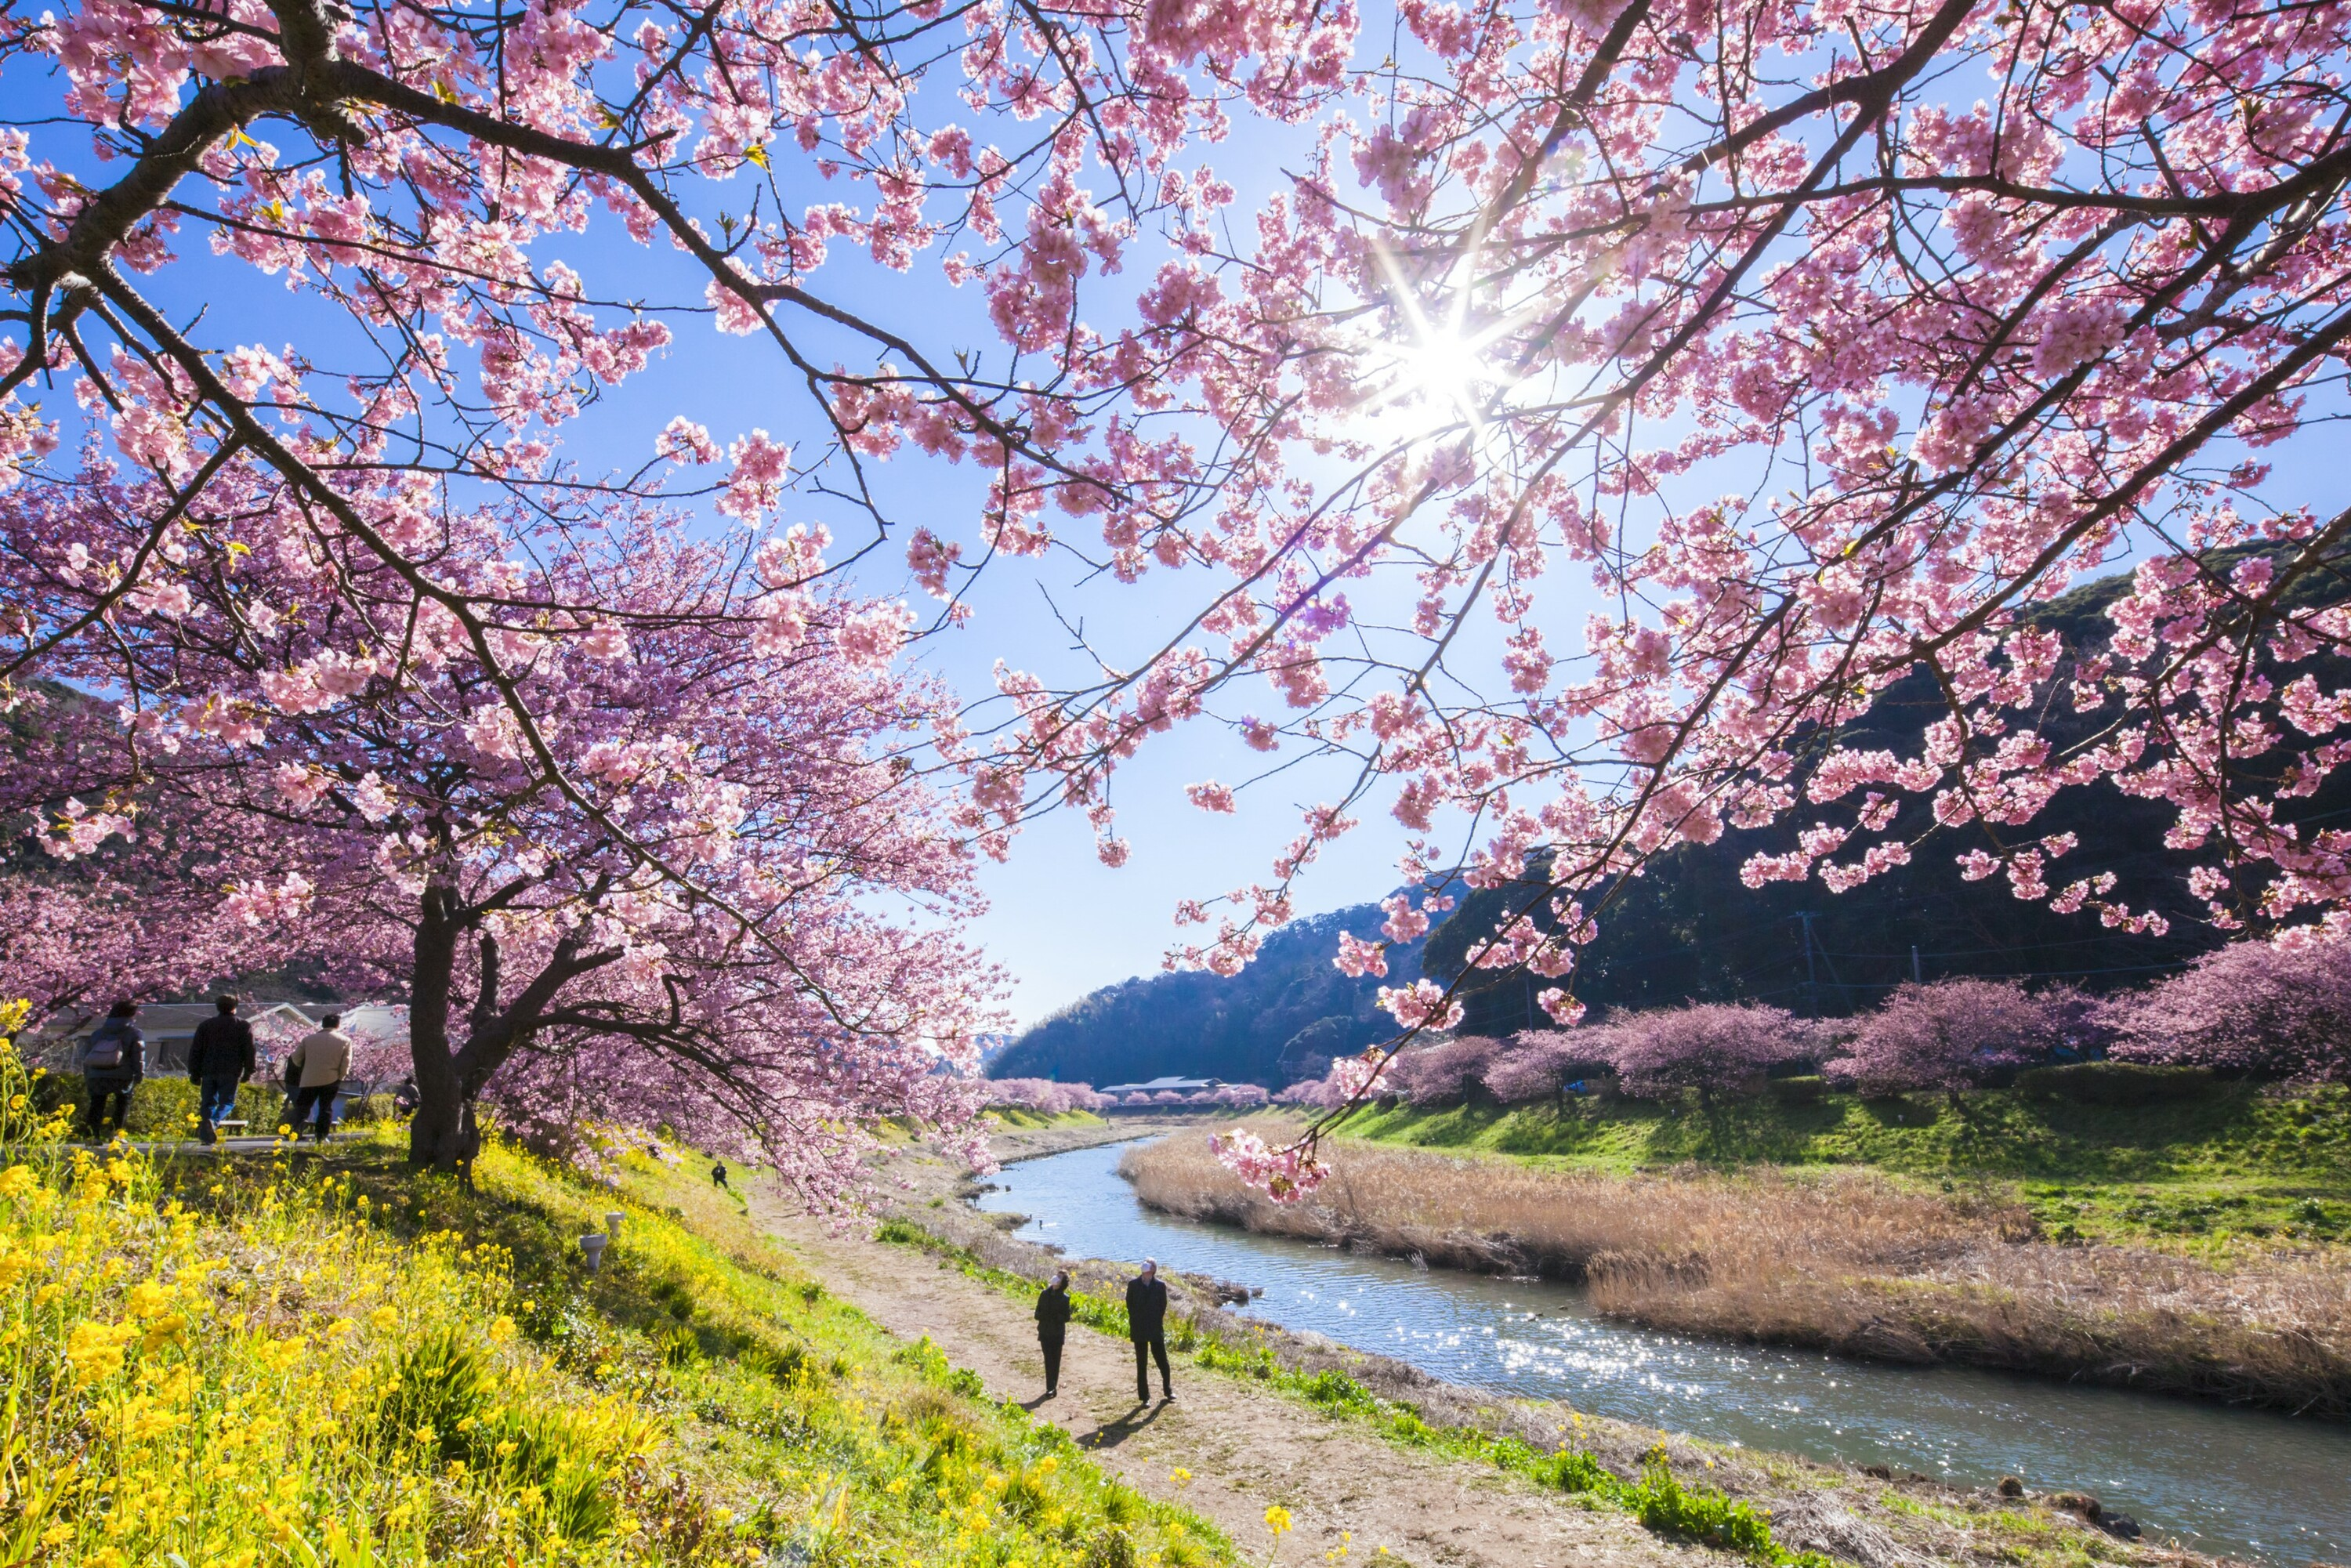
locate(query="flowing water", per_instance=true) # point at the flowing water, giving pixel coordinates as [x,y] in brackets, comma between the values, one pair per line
[2242,1483]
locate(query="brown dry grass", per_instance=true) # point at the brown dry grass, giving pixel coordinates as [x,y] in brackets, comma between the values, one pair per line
[1844,1261]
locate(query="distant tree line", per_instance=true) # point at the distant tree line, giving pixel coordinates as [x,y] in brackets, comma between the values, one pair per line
[2251,1009]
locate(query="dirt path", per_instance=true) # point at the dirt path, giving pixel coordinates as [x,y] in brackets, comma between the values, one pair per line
[1245,1448]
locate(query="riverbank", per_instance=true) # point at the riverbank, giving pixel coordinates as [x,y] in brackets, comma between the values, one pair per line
[2101,1152]
[1847,1262]
[1849,1514]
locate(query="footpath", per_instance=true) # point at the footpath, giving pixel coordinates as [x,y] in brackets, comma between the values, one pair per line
[1240,1449]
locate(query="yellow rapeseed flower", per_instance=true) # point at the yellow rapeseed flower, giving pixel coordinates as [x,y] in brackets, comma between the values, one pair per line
[1276,1518]
[95,1349]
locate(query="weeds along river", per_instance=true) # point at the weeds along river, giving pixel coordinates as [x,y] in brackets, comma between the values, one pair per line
[2239,1483]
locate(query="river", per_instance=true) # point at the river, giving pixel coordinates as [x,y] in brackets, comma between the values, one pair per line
[2242,1483]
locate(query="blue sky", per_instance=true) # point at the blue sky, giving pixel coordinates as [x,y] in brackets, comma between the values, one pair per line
[1061,922]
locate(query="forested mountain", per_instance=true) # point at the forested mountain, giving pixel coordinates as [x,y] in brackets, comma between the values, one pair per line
[1280,1019]
[1688,929]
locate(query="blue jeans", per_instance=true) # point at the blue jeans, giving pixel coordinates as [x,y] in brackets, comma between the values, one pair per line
[215,1102]
[322,1097]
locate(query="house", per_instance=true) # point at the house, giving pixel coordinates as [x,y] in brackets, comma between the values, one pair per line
[1166,1086]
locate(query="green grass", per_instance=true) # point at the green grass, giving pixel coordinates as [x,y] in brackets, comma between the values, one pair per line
[1657,1498]
[2100,1153]
[333,1361]
[1024,1119]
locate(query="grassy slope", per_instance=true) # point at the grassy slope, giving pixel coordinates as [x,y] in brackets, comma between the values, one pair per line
[1028,1120]
[2227,1159]
[280,1361]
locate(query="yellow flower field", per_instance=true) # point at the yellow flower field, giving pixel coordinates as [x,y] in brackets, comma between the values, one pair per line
[286,1359]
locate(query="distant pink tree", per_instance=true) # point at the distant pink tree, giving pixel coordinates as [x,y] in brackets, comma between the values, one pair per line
[1038,1094]
[1445,1072]
[1537,1063]
[2265,1008]
[1349,1078]
[1241,1096]
[1950,1035]
[1707,1046]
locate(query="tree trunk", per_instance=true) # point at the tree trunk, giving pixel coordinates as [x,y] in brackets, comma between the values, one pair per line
[432,1134]
[440,1097]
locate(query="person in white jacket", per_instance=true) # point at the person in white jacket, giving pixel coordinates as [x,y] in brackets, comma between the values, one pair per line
[317,1067]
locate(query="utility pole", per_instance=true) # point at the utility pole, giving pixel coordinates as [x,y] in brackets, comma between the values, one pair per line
[1915,978]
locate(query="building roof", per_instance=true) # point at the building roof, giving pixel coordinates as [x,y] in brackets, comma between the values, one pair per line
[1159,1085]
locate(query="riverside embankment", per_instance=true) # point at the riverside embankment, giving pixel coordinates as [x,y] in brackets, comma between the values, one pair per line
[1850,1262]
[1844,1509]
[2241,1483]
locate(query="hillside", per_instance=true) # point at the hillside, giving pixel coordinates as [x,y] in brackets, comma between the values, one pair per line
[1688,929]
[1280,1019]
[289,1361]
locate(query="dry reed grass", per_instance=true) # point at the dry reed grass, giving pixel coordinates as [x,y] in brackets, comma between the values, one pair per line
[1844,1261]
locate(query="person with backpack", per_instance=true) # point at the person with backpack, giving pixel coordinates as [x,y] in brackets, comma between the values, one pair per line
[220,1058]
[113,1060]
[317,1071]
[1053,1314]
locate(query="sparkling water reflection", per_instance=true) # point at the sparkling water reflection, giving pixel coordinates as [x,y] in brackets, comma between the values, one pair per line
[2243,1483]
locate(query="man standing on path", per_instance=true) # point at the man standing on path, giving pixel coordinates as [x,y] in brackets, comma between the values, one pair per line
[322,1060]
[1146,1323]
[1053,1327]
[113,1060]
[219,1058]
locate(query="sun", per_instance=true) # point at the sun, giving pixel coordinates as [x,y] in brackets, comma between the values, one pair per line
[1437,374]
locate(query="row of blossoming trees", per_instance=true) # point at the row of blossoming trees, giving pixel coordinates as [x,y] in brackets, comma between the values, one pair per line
[2247,1011]
[1047,1095]
[368,599]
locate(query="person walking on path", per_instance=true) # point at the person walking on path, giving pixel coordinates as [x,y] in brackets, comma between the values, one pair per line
[113,1060]
[1146,1324]
[320,1063]
[220,1058]
[1052,1327]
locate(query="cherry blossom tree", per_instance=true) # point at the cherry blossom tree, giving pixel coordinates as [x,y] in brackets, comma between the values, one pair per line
[72,947]
[1538,1064]
[1441,1070]
[1705,1047]
[1041,1094]
[1949,1035]
[704,941]
[1824,342]
[2252,1007]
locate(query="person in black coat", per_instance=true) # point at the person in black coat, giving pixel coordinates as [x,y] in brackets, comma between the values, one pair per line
[219,1058]
[1052,1327]
[113,1062]
[1146,1324]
